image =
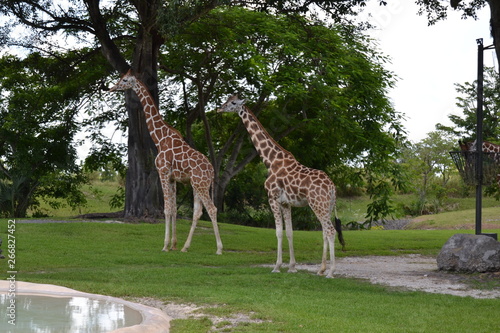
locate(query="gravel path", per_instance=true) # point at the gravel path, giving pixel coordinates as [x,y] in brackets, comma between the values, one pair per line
[409,272]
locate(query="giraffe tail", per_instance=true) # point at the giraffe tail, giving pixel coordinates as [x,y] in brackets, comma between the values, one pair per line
[338,227]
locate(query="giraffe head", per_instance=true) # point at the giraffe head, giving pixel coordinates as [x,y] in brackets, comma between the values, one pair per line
[233,104]
[463,145]
[127,81]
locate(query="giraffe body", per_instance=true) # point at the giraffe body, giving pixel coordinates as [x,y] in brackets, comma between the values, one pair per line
[290,184]
[176,162]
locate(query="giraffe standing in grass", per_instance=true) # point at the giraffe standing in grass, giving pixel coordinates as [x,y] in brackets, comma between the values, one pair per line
[176,162]
[290,184]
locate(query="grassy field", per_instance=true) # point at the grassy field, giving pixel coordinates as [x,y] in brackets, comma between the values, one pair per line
[125,260]
[99,194]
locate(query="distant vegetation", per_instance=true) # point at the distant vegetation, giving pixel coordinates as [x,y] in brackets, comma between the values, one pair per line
[102,195]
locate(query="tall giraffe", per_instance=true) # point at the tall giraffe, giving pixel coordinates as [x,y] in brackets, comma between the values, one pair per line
[290,184]
[176,162]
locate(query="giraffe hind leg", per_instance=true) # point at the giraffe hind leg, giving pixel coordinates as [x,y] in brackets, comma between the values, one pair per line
[197,211]
[331,244]
[322,268]
[287,216]
[202,198]
[212,212]
[324,216]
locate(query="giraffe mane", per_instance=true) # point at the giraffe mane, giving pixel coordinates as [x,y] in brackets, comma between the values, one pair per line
[265,130]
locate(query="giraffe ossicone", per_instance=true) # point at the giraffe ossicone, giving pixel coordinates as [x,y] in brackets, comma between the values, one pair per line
[290,184]
[176,162]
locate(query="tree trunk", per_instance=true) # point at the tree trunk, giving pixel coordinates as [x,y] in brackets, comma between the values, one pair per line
[495,25]
[143,193]
[142,189]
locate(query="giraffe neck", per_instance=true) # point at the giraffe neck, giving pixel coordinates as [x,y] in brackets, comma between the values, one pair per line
[158,128]
[268,149]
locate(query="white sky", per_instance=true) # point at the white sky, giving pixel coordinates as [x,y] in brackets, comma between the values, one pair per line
[428,60]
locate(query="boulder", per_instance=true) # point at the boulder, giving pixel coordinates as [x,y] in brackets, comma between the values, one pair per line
[469,254]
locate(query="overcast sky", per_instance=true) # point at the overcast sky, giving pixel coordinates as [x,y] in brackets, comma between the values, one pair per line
[429,61]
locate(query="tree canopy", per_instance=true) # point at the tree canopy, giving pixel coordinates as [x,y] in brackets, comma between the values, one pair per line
[313,85]
[321,91]
[37,130]
[130,33]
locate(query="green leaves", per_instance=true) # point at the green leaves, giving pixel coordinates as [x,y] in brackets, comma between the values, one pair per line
[37,129]
[319,90]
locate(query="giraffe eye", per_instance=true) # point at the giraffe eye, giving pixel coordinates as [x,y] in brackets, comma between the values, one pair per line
[233,102]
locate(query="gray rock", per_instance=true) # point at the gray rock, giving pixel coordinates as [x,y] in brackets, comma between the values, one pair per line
[469,254]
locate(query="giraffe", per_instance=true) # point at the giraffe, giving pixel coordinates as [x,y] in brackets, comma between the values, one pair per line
[290,184]
[176,162]
[488,147]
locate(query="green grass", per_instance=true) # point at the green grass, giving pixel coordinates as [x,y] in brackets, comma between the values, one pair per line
[354,208]
[125,260]
[459,220]
[98,195]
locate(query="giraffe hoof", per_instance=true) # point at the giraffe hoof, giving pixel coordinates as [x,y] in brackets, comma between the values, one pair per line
[165,249]
[218,252]
[184,250]
[292,270]
[276,270]
[329,276]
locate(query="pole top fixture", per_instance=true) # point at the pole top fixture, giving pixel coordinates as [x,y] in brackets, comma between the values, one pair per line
[479,41]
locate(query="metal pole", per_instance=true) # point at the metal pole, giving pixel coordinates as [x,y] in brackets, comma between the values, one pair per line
[479,135]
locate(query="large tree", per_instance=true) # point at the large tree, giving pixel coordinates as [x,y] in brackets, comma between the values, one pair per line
[321,91]
[430,168]
[128,35]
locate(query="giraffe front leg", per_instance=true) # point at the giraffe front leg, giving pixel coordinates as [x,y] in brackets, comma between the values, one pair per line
[173,213]
[168,194]
[287,216]
[167,228]
[279,233]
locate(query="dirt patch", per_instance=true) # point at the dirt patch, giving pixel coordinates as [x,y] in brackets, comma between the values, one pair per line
[193,311]
[413,272]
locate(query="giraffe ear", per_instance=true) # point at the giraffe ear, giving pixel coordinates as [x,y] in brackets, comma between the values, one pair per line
[241,101]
